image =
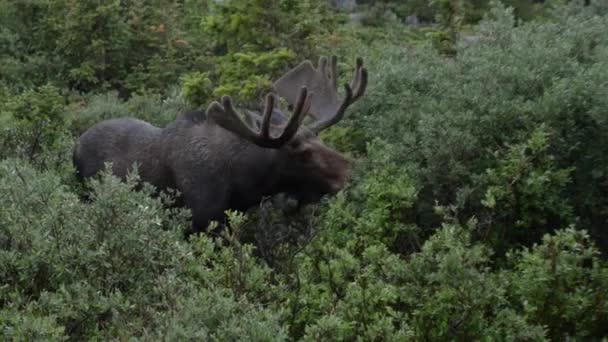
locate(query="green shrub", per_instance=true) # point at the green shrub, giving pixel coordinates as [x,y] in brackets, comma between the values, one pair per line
[526,190]
[450,120]
[110,45]
[447,290]
[197,88]
[85,265]
[342,288]
[113,268]
[450,289]
[153,108]
[452,293]
[24,325]
[247,75]
[560,284]
[256,41]
[218,316]
[35,126]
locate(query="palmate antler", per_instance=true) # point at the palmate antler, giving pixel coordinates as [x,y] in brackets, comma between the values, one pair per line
[325,108]
[297,87]
[227,117]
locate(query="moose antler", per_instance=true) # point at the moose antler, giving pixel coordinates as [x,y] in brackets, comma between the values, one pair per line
[325,107]
[227,117]
[254,118]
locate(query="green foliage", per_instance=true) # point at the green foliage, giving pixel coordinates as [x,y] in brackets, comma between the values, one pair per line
[34,125]
[526,10]
[247,75]
[345,138]
[153,108]
[24,325]
[81,264]
[433,11]
[526,185]
[239,25]
[464,172]
[450,289]
[453,293]
[117,267]
[127,46]
[257,40]
[453,120]
[197,88]
[341,279]
[235,267]
[450,17]
[218,316]
[425,10]
[560,284]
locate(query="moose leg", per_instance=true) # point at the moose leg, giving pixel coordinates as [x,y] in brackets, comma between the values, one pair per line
[205,208]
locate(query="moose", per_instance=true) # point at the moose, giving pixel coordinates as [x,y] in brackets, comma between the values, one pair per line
[222,162]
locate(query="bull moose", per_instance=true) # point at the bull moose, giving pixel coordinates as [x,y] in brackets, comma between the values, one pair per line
[223,162]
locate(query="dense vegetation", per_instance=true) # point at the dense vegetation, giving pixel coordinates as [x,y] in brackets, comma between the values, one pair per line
[477,209]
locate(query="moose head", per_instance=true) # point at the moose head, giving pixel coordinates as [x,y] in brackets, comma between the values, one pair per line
[311,169]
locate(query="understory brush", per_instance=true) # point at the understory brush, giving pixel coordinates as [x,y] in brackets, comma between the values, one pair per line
[476,209]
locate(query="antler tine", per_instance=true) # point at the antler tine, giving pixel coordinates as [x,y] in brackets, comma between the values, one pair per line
[321,125]
[356,74]
[323,65]
[307,105]
[359,83]
[333,71]
[300,111]
[326,107]
[360,80]
[268,107]
[227,117]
